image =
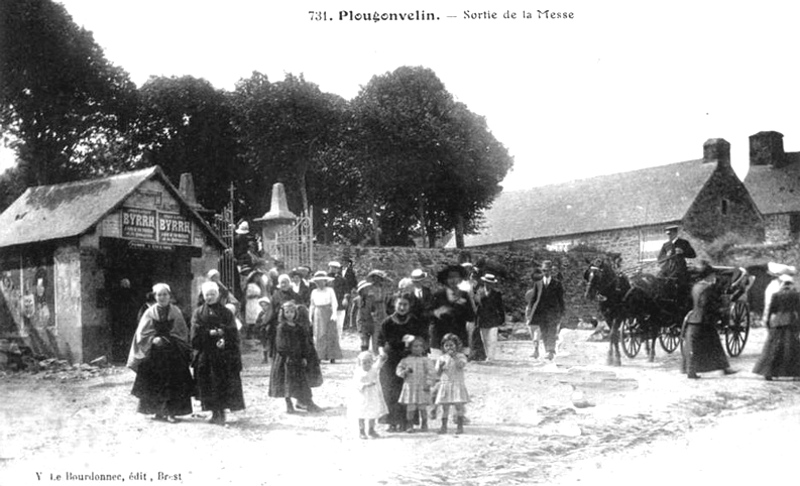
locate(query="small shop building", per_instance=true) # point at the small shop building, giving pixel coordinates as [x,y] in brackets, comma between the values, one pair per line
[77,260]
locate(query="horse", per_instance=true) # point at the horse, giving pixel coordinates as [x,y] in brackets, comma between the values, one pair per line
[611,287]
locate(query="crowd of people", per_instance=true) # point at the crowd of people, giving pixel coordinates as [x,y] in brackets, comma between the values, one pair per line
[415,341]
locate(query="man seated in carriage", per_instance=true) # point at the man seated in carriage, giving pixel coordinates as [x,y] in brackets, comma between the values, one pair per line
[672,260]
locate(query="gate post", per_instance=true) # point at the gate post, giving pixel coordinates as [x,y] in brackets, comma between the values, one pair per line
[274,224]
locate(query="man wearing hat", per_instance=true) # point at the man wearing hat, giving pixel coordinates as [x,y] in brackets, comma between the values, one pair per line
[422,304]
[241,241]
[491,313]
[672,260]
[550,308]
[339,285]
[351,282]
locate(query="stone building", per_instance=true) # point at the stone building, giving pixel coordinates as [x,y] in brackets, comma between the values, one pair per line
[77,259]
[773,180]
[626,213]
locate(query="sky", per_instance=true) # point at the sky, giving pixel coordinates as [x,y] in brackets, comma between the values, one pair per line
[620,86]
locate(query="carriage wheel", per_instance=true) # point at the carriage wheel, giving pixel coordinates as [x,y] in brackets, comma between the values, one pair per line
[738,328]
[631,337]
[670,338]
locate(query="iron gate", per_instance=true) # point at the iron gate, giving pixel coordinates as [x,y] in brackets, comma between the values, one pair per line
[294,245]
[224,226]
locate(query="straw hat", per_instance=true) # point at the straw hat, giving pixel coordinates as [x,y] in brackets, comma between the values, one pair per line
[418,275]
[489,278]
[362,285]
[321,275]
[243,229]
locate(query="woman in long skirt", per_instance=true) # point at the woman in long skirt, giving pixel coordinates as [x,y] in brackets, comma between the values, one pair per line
[391,344]
[289,377]
[781,354]
[323,309]
[702,350]
[218,362]
[160,357]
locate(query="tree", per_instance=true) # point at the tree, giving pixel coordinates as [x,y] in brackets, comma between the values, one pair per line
[60,99]
[12,185]
[429,164]
[184,125]
[285,128]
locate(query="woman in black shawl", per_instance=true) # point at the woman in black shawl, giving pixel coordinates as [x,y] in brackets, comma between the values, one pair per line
[218,361]
[160,357]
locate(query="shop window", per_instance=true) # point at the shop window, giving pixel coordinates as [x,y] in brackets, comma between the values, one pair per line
[650,242]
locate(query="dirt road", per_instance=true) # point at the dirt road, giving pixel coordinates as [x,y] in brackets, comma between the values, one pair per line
[524,428]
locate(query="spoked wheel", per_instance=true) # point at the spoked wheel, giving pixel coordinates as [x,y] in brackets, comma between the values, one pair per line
[738,328]
[670,338]
[631,337]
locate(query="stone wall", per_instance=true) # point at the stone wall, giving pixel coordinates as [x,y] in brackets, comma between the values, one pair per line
[724,206]
[94,310]
[515,264]
[67,271]
[777,228]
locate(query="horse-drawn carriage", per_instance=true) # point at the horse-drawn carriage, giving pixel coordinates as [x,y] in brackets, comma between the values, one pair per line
[734,321]
[642,308]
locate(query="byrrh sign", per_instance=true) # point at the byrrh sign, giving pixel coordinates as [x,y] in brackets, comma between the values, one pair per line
[153,225]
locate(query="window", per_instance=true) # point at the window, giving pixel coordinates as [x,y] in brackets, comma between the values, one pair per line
[724,206]
[650,241]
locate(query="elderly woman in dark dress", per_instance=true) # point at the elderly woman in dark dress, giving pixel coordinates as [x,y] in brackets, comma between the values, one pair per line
[702,350]
[218,361]
[390,342]
[160,357]
[781,354]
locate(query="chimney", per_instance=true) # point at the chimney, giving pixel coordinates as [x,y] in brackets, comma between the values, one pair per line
[766,148]
[186,189]
[717,150]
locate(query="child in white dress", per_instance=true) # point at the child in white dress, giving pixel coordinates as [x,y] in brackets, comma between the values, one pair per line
[452,390]
[366,402]
[417,373]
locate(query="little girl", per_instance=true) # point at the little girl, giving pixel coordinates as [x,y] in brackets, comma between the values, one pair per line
[416,370]
[452,391]
[367,402]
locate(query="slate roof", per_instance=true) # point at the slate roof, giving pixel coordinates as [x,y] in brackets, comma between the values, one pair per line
[59,211]
[644,197]
[775,191]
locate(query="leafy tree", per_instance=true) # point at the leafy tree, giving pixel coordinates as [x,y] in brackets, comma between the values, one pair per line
[429,165]
[12,185]
[60,99]
[286,129]
[184,125]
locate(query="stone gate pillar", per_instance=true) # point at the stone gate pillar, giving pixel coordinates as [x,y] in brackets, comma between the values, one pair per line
[274,222]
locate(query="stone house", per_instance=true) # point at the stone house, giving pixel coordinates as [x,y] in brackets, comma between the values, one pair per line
[626,213]
[66,249]
[773,180]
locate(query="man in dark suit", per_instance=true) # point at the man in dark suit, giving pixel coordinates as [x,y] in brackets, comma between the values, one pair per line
[672,259]
[422,305]
[550,309]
